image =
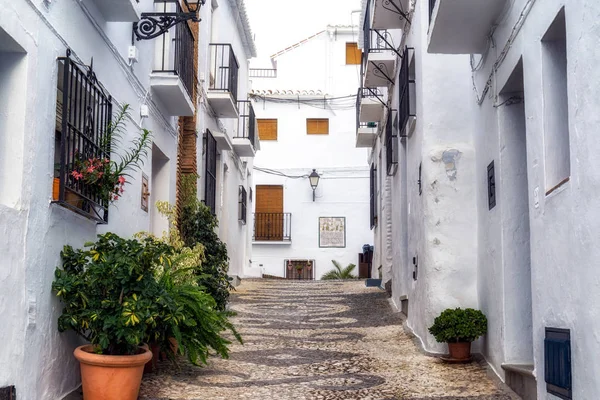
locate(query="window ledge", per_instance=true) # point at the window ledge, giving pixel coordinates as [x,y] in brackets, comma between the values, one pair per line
[282,242]
[558,188]
[520,369]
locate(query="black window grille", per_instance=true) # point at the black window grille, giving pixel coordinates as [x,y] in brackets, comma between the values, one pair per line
[210,180]
[242,204]
[406,90]
[247,121]
[491,186]
[557,360]
[83,115]
[223,69]
[177,55]
[419,181]
[373,196]
[391,142]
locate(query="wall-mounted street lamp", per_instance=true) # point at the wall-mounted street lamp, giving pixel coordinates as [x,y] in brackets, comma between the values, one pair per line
[314,181]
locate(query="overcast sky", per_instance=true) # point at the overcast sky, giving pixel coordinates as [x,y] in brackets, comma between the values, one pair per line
[277,24]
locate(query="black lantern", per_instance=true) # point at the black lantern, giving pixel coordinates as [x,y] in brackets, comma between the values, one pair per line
[314,181]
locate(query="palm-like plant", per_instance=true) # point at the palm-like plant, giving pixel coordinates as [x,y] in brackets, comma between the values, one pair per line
[340,272]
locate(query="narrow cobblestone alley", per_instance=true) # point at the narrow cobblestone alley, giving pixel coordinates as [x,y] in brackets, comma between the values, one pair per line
[320,340]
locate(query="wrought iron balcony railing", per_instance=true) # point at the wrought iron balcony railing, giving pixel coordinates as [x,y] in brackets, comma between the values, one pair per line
[263,73]
[176,51]
[272,227]
[247,121]
[223,69]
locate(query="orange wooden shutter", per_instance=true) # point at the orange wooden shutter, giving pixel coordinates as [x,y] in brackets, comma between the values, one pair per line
[269,218]
[353,54]
[267,129]
[317,126]
[269,199]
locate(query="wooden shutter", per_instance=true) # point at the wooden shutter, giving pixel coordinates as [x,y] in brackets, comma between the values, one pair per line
[269,199]
[317,126]
[267,129]
[269,217]
[353,54]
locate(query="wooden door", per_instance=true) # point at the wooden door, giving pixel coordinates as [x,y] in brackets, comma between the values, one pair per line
[269,217]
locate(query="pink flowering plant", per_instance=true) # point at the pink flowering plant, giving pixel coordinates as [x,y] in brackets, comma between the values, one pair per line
[105,176]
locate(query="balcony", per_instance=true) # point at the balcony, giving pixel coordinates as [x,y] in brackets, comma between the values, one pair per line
[223,85]
[119,10]
[388,14]
[272,228]
[379,57]
[461,26]
[369,110]
[172,80]
[244,141]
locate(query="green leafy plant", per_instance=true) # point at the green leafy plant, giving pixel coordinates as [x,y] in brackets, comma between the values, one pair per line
[110,293]
[107,176]
[340,272]
[198,225]
[196,323]
[459,325]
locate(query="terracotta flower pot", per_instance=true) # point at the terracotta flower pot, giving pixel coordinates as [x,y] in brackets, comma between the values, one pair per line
[460,350]
[111,377]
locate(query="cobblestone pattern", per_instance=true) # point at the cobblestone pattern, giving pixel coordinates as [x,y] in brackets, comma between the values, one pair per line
[320,341]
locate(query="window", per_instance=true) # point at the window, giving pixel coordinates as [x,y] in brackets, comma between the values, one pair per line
[270,222]
[391,143]
[242,205]
[353,54]
[317,126]
[406,92]
[267,129]
[491,178]
[210,179]
[557,158]
[373,195]
[83,114]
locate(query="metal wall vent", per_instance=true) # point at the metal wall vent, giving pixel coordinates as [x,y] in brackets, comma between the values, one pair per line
[557,356]
[8,393]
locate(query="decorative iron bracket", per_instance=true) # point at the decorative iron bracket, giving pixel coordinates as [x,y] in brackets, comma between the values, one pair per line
[155,24]
[391,6]
[384,39]
[377,95]
[379,71]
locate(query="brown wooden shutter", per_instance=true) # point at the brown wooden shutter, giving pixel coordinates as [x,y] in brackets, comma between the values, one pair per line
[353,54]
[269,217]
[269,199]
[267,129]
[317,126]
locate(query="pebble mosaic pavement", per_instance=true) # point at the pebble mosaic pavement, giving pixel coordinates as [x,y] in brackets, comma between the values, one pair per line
[319,340]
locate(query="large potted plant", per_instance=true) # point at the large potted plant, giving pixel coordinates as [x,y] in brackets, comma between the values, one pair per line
[110,293]
[459,327]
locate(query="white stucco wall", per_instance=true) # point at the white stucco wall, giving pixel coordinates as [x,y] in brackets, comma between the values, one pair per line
[222,25]
[343,190]
[39,360]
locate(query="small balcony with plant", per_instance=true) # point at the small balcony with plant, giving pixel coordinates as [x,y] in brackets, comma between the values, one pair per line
[172,79]
[370,105]
[119,10]
[223,80]
[461,26]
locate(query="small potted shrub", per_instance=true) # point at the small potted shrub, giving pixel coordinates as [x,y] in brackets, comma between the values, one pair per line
[109,292]
[459,328]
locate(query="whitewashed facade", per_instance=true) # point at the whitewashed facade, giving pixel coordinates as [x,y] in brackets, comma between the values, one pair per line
[224,111]
[491,203]
[38,360]
[312,81]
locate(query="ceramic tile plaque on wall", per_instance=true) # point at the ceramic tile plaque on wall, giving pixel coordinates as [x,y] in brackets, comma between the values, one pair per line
[332,232]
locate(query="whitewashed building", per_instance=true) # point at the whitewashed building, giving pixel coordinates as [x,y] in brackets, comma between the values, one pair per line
[226,128]
[491,202]
[306,119]
[91,56]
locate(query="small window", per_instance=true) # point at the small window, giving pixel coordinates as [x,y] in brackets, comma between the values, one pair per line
[242,205]
[267,129]
[317,126]
[491,186]
[353,54]
[373,196]
[210,176]
[557,360]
